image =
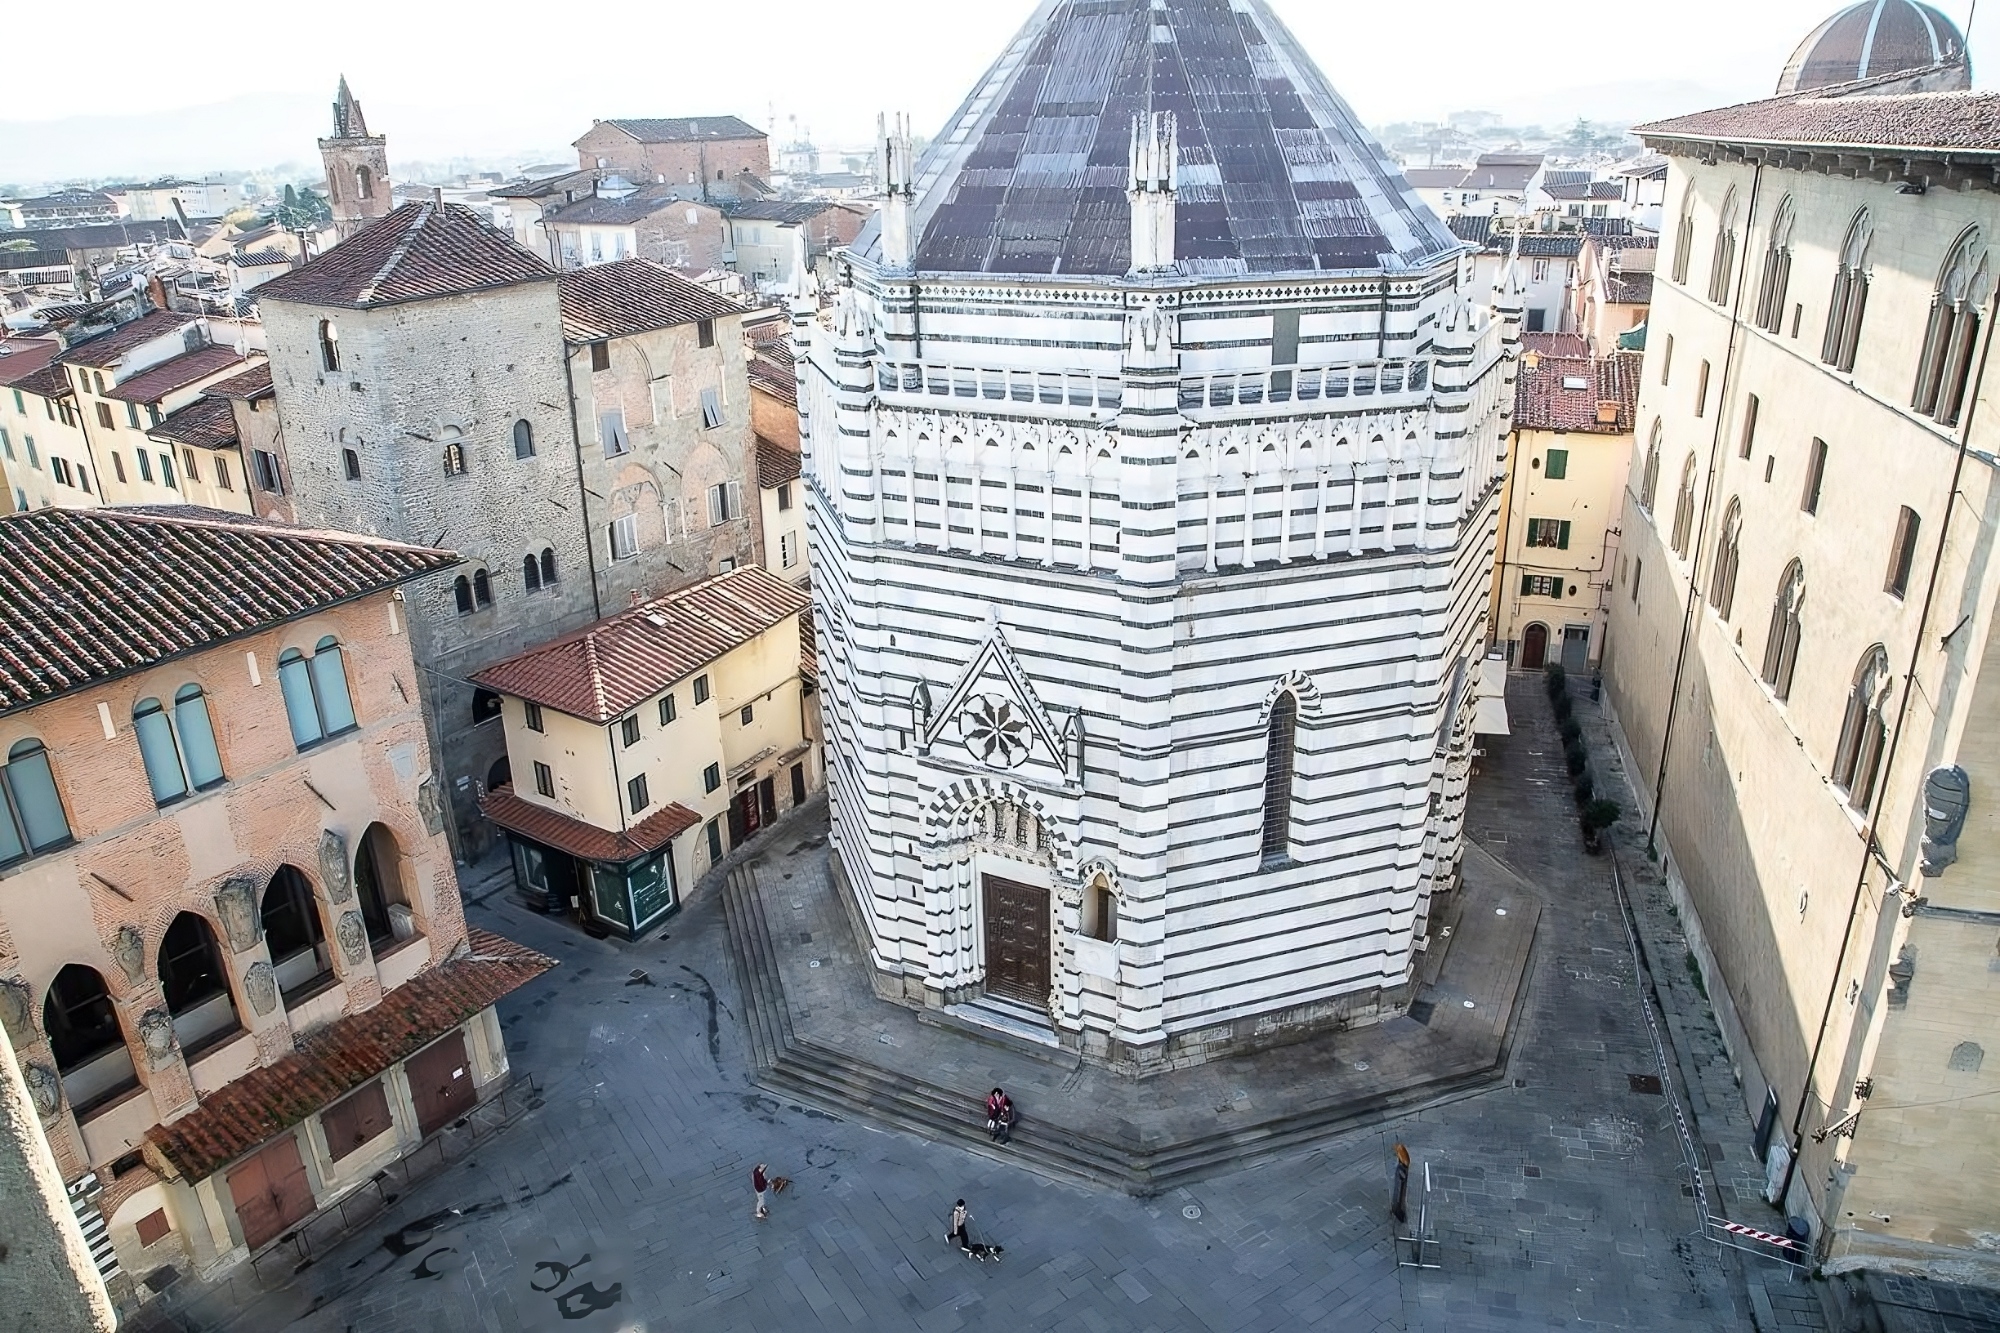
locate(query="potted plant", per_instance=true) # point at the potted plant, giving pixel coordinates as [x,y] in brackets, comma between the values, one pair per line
[1598,817]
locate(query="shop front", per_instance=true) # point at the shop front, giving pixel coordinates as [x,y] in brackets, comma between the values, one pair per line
[609,883]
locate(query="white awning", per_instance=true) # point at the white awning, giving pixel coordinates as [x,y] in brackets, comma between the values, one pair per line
[1491,719]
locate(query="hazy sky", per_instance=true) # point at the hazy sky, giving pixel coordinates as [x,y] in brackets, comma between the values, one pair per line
[453,79]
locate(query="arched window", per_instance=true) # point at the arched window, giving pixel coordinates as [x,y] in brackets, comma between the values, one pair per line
[1722,267]
[548,566]
[1946,367]
[1863,731]
[1684,237]
[1777,270]
[482,588]
[329,345]
[1100,911]
[178,748]
[193,980]
[86,1040]
[1781,643]
[1649,487]
[454,459]
[32,820]
[378,882]
[531,573]
[1850,296]
[524,439]
[461,594]
[1684,509]
[1728,555]
[1280,747]
[293,932]
[316,697]
[364,183]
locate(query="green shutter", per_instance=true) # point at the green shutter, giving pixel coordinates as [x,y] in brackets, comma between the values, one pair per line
[1562,541]
[1527,585]
[1558,465]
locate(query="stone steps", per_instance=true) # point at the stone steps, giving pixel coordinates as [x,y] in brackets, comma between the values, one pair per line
[1115,1154]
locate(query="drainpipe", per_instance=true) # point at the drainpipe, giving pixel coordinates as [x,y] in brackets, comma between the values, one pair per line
[1870,849]
[582,490]
[1695,598]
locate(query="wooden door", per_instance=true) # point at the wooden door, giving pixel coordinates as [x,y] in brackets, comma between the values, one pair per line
[440,1083]
[271,1192]
[1017,941]
[1535,648]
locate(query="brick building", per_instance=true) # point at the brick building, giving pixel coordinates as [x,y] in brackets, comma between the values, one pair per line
[709,151]
[233,959]
[357,167]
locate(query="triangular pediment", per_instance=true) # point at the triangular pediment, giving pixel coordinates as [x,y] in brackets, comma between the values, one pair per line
[993,718]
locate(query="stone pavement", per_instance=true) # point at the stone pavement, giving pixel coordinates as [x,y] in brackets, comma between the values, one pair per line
[1561,1198]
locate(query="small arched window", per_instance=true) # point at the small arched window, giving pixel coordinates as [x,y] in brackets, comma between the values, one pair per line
[1100,911]
[524,439]
[1946,367]
[1728,555]
[1684,238]
[364,183]
[1683,531]
[82,1024]
[1280,758]
[1649,486]
[548,566]
[32,819]
[178,748]
[1850,296]
[531,573]
[329,345]
[1722,267]
[1781,643]
[1863,731]
[461,594]
[454,459]
[482,589]
[1777,281]
[317,701]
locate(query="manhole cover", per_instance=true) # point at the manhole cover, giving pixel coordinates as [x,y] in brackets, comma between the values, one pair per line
[1191,1213]
[586,1102]
[1646,1083]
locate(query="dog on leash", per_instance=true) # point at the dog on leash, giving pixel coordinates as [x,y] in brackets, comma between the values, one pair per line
[985,1253]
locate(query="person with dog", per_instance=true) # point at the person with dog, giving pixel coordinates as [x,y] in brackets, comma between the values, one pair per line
[959,1217]
[760,1181]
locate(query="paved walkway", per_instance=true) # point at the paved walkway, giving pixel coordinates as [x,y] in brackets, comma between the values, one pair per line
[1560,1194]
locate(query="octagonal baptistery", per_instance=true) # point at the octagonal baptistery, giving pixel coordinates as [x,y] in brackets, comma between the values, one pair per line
[1153,449]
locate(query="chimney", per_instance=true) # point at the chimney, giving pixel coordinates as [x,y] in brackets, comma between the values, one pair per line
[1607,413]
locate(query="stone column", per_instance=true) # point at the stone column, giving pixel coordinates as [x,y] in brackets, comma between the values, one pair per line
[48,1283]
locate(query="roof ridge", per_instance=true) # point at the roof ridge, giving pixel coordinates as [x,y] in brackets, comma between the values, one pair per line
[397,255]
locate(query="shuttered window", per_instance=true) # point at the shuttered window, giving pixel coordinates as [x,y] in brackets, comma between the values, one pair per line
[356,1119]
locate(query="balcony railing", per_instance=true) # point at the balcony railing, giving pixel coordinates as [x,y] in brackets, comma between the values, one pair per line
[1294,387]
[989,385]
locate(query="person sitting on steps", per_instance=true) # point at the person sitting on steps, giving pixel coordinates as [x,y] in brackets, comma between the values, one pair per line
[1000,1116]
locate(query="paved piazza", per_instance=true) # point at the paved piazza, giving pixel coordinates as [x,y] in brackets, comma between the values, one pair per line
[623,1201]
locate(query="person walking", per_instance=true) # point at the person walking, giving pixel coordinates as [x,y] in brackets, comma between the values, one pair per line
[960,1215]
[760,1181]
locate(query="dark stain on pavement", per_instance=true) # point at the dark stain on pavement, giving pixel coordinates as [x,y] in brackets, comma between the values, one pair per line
[714,1022]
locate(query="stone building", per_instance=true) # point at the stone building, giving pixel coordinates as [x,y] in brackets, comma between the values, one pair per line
[1152,525]
[654,744]
[357,168]
[1566,466]
[233,959]
[713,152]
[1802,627]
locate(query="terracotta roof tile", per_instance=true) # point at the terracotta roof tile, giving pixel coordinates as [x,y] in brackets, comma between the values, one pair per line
[108,349]
[1960,122]
[566,833]
[688,129]
[633,296]
[775,378]
[90,595]
[343,1055]
[415,253]
[1564,393]
[24,357]
[1556,344]
[156,382]
[776,464]
[205,423]
[51,381]
[251,384]
[620,662]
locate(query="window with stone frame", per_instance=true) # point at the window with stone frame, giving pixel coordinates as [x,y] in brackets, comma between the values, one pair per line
[1781,641]
[1728,558]
[356,1120]
[1944,372]
[1683,529]
[1863,731]
[1649,484]
[1280,759]
[1848,304]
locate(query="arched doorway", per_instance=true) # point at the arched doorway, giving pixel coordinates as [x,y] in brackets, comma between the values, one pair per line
[378,880]
[86,1040]
[293,930]
[1534,647]
[500,775]
[196,987]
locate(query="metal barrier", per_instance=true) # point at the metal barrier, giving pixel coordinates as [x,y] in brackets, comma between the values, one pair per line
[1426,1250]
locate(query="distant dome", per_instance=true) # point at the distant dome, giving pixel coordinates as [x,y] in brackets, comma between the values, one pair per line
[1875,38]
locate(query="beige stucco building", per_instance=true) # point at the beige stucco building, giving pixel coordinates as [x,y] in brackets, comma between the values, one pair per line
[43,452]
[1566,463]
[653,744]
[233,959]
[1801,630]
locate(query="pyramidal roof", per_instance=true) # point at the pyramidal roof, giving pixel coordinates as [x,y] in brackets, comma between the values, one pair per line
[1276,173]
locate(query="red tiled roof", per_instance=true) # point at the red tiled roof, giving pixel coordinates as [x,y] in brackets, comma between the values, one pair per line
[620,662]
[632,296]
[565,833]
[251,384]
[51,381]
[417,252]
[776,464]
[107,349]
[24,357]
[205,423]
[155,383]
[776,378]
[1556,344]
[1545,398]
[342,1056]
[90,595]
[1959,122]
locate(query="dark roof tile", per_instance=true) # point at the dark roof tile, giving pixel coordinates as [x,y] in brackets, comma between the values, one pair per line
[205,423]
[566,833]
[25,356]
[776,464]
[633,296]
[1958,122]
[689,129]
[108,349]
[415,253]
[156,382]
[251,384]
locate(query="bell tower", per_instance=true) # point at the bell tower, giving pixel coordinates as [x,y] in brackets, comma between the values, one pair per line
[357,167]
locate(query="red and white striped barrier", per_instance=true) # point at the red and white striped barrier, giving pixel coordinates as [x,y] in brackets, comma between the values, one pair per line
[1738,1229]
